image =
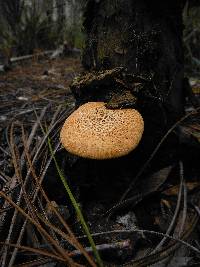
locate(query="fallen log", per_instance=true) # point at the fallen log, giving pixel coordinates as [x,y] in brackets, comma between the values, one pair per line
[16,60]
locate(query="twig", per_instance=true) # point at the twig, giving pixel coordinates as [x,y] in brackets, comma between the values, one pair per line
[146,232]
[125,244]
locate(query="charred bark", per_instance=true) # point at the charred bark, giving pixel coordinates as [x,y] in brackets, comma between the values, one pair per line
[145,37]
[139,42]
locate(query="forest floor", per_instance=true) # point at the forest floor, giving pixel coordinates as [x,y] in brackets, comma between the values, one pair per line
[32,86]
[35,98]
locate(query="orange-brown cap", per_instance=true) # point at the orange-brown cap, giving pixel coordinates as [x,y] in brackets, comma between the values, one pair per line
[93,131]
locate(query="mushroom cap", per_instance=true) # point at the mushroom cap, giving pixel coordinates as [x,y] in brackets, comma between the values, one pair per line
[95,132]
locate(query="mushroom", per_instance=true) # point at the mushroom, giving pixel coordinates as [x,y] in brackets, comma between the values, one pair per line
[95,132]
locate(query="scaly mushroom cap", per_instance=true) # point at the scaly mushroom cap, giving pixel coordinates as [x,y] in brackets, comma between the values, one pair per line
[93,131]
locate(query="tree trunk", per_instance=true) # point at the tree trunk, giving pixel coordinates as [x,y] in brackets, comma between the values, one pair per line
[145,38]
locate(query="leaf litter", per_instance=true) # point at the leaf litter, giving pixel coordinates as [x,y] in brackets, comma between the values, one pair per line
[33,223]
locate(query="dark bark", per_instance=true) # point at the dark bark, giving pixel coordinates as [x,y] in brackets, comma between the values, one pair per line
[145,38]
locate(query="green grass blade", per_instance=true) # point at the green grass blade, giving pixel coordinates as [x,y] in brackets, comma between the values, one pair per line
[76,207]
